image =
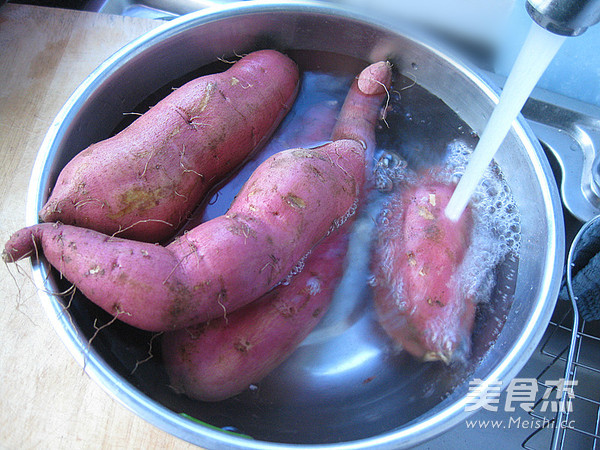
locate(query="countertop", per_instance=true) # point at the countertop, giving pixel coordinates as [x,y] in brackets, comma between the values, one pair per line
[46,399]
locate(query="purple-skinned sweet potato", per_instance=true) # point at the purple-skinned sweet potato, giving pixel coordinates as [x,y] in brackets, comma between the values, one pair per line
[218,359]
[144,182]
[416,260]
[290,203]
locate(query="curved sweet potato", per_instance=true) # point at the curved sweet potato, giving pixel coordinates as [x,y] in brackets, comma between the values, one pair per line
[218,359]
[144,181]
[221,358]
[416,260]
[292,201]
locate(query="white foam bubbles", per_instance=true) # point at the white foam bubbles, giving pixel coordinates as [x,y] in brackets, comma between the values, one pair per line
[496,228]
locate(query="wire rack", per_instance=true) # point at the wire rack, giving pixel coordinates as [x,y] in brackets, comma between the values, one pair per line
[572,348]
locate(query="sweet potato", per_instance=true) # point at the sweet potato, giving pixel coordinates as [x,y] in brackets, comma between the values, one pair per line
[289,204]
[218,359]
[309,124]
[416,261]
[221,358]
[144,181]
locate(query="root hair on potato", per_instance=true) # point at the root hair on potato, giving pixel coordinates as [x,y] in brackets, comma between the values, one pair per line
[35,248]
[413,78]
[223,60]
[192,121]
[268,264]
[65,307]
[246,85]
[385,107]
[9,256]
[83,203]
[123,230]
[20,300]
[55,209]
[143,174]
[219,297]
[150,354]
[338,164]
[193,250]
[98,329]
[70,291]
[185,169]
[274,265]
[246,232]
[180,195]
[97,332]
[236,54]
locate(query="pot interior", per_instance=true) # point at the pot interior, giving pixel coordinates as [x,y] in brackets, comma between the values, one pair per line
[346,382]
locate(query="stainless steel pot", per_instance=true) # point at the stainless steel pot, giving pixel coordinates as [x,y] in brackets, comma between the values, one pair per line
[350,391]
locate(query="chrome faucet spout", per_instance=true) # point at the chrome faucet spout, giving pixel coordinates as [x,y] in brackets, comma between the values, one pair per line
[565,17]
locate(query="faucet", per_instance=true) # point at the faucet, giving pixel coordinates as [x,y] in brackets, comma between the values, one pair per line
[564,17]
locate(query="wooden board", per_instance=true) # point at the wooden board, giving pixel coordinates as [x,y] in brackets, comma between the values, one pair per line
[46,400]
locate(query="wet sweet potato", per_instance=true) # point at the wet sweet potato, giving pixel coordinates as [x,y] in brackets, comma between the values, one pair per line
[221,358]
[144,181]
[416,260]
[290,203]
[218,359]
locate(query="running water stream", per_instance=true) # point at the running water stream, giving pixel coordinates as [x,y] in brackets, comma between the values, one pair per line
[537,52]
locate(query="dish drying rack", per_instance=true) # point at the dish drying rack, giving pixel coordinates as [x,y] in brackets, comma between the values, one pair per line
[571,346]
[578,362]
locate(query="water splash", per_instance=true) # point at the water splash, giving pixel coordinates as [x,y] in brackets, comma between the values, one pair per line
[537,52]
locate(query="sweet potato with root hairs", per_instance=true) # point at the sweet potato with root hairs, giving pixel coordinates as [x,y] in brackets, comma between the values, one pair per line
[289,204]
[144,181]
[415,263]
[218,359]
[221,358]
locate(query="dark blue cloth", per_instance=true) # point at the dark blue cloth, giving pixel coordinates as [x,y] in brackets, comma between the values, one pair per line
[586,273]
